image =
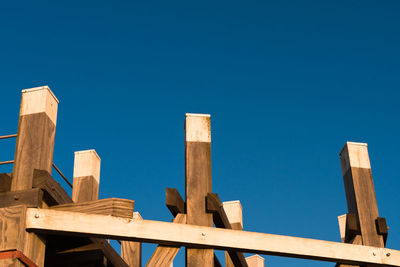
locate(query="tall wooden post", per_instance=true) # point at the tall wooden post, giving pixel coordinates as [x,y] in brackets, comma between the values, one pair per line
[360,192]
[86,176]
[198,181]
[233,210]
[36,134]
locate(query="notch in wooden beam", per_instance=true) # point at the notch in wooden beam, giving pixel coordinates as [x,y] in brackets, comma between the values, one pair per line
[198,181]
[36,135]
[86,176]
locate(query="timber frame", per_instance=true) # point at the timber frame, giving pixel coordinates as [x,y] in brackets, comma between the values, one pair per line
[42,225]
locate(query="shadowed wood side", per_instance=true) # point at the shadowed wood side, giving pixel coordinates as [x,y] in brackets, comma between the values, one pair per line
[131,252]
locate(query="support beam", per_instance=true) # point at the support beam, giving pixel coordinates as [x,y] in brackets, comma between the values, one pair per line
[198,182]
[31,198]
[349,232]
[86,176]
[172,234]
[131,252]
[174,201]
[360,192]
[164,256]
[36,134]
[110,206]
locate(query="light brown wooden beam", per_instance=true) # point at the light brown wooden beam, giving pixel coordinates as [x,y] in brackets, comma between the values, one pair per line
[110,206]
[86,176]
[164,256]
[221,220]
[198,182]
[172,234]
[131,252]
[349,232]
[360,192]
[255,261]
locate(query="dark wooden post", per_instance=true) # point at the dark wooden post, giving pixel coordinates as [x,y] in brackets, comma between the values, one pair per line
[198,181]
[36,134]
[360,192]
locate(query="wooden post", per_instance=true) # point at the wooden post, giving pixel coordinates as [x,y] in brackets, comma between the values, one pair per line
[131,252]
[255,261]
[86,176]
[198,181]
[360,192]
[233,210]
[36,134]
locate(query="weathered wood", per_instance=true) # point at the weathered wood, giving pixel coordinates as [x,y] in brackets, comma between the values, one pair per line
[5,182]
[36,134]
[86,176]
[232,211]
[174,201]
[111,206]
[131,252]
[54,192]
[360,192]
[31,198]
[172,234]
[255,261]
[164,256]
[198,181]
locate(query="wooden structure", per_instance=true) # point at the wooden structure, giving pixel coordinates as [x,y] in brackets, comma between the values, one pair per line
[41,225]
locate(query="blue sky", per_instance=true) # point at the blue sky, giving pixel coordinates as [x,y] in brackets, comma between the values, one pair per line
[287,83]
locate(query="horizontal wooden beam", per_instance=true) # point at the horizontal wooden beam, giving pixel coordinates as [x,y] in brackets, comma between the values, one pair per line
[32,198]
[110,206]
[73,223]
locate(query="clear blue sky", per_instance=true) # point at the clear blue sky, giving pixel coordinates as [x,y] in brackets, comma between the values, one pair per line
[287,83]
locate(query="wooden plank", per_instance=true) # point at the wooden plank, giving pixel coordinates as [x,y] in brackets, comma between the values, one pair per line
[360,192]
[255,261]
[172,234]
[36,134]
[5,182]
[32,198]
[349,232]
[198,181]
[131,252]
[111,206]
[164,256]
[174,201]
[86,176]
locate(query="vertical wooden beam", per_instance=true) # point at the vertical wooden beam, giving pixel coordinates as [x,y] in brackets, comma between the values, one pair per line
[198,181]
[36,134]
[360,192]
[345,235]
[255,261]
[131,252]
[86,176]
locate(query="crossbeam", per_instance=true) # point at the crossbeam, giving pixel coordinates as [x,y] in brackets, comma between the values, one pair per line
[74,223]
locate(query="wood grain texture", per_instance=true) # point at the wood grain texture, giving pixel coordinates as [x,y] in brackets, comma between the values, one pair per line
[31,198]
[131,252]
[255,261]
[164,256]
[34,149]
[111,206]
[198,185]
[174,201]
[172,234]
[85,188]
[5,182]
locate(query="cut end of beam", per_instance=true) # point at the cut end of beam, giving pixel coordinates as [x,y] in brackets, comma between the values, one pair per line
[233,210]
[255,261]
[354,155]
[342,226]
[137,216]
[197,128]
[87,163]
[39,100]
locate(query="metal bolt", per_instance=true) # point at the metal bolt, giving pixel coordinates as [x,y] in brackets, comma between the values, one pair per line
[203,234]
[16,197]
[387,254]
[373,253]
[36,216]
